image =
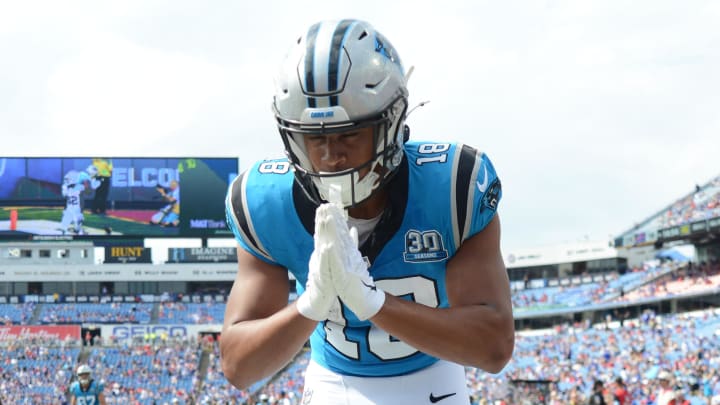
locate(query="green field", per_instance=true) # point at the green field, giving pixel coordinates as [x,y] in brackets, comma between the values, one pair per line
[121,223]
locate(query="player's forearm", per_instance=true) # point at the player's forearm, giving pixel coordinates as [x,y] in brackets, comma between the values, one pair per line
[255,349]
[476,335]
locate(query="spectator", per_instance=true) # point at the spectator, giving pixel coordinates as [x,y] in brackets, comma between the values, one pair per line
[597,397]
[695,397]
[621,394]
[665,393]
[679,398]
[169,215]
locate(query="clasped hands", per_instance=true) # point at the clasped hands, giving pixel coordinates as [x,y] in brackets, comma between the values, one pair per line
[337,270]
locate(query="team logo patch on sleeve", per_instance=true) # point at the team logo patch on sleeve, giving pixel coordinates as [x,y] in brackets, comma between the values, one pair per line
[491,196]
[424,246]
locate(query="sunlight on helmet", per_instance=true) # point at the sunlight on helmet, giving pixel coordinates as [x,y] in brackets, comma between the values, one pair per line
[341,76]
[83,374]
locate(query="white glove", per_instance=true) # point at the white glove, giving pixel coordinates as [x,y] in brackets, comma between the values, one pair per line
[350,276]
[319,299]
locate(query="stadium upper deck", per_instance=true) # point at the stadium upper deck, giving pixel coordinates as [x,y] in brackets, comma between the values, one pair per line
[694,216]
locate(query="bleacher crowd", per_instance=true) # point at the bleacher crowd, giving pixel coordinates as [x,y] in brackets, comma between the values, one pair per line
[704,203]
[564,363]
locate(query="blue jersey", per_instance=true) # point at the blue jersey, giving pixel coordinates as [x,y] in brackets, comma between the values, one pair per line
[442,194]
[90,396]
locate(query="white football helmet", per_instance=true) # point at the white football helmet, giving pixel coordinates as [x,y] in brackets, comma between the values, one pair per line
[71,177]
[340,76]
[92,171]
[83,373]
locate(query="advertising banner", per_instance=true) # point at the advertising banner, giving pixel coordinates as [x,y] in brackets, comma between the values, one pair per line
[125,332]
[128,254]
[24,333]
[114,272]
[202,255]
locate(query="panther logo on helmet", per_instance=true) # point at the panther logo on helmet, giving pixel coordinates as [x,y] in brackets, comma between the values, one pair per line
[383,47]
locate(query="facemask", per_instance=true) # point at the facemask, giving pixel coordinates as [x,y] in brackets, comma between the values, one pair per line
[363,188]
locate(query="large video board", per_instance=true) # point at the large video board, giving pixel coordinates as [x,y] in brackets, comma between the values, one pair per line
[90,197]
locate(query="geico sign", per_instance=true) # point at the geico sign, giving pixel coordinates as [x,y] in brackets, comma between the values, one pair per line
[130,331]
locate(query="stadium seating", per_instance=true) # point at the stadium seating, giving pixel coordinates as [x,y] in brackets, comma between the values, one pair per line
[36,371]
[215,387]
[67,313]
[159,368]
[572,357]
[191,313]
[704,203]
[18,314]
[157,372]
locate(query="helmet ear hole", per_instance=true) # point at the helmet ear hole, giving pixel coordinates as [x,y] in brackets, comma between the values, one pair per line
[406,133]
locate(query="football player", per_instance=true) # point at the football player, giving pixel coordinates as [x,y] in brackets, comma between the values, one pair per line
[90,175]
[74,184]
[395,244]
[169,215]
[86,391]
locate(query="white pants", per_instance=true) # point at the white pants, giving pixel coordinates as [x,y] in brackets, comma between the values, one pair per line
[72,215]
[443,383]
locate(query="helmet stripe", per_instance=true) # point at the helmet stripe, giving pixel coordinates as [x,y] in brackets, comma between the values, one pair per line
[309,62]
[338,40]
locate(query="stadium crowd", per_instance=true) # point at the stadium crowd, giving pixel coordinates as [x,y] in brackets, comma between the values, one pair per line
[662,281]
[18,314]
[565,362]
[564,365]
[170,312]
[152,372]
[690,279]
[67,313]
[704,203]
[37,371]
[570,359]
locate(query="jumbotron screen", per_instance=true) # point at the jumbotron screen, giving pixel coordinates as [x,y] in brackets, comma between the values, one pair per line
[94,197]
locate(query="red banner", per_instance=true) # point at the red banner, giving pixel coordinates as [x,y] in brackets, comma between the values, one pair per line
[59,332]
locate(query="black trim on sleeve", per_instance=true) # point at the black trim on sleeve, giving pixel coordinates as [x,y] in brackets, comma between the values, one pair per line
[463,177]
[240,213]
